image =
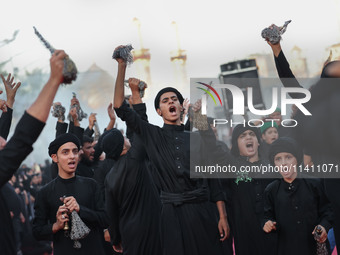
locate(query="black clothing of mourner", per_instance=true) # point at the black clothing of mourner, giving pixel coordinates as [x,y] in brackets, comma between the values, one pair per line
[297,208]
[324,148]
[245,212]
[86,192]
[86,168]
[104,167]
[188,220]
[16,150]
[14,204]
[132,200]
[245,198]
[264,152]
[5,123]
[132,203]
[289,81]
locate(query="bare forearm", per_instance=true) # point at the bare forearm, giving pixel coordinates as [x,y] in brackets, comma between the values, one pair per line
[119,87]
[111,124]
[10,102]
[276,48]
[136,97]
[221,209]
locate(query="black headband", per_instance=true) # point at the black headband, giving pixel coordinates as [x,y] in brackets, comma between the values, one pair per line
[60,140]
[165,90]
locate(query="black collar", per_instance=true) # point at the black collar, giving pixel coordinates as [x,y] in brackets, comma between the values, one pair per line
[173,127]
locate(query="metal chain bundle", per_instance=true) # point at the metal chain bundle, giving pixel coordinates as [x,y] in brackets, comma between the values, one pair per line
[273,35]
[321,248]
[70,70]
[58,111]
[78,230]
[80,112]
[124,53]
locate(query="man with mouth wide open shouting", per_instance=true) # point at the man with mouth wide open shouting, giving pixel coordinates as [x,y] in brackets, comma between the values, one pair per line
[188,221]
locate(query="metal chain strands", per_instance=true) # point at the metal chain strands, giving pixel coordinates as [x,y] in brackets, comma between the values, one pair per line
[70,70]
[273,33]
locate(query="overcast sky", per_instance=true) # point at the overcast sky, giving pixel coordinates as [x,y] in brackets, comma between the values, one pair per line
[213,32]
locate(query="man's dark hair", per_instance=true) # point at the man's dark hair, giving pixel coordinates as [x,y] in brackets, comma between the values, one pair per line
[87,139]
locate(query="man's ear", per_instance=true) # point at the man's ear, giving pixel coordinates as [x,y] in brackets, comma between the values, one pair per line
[159,112]
[54,158]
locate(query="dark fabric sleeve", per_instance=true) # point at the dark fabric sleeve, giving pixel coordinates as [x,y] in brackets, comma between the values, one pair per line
[112,209]
[286,75]
[100,173]
[325,211]
[97,152]
[140,109]
[209,146]
[60,128]
[188,125]
[89,132]
[97,216]
[134,121]
[19,146]
[42,228]
[217,149]
[216,191]
[269,206]
[79,132]
[5,123]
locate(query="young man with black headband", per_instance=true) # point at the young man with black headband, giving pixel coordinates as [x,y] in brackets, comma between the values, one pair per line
[188,222]
[80,194]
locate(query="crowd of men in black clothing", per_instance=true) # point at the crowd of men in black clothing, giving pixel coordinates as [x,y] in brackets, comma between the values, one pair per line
[140,199]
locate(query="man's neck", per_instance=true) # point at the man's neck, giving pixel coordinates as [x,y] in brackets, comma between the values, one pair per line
[290,179]
[64,175]
[253,158]
[177,122]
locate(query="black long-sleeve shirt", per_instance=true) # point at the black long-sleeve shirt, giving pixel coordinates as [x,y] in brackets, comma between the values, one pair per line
[16,150]
[184,223]
[297,208]
[86,192]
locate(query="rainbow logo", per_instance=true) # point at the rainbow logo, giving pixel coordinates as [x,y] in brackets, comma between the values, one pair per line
[208,92]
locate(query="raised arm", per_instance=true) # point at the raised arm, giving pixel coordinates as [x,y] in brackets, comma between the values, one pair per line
[31,124]
[283,69]
[112,116]
[6,117]
[11,89]
[119,88]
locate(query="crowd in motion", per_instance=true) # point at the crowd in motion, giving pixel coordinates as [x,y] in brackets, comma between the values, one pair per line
[109,192]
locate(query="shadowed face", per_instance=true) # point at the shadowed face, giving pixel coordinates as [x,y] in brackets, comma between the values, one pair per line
[88,151]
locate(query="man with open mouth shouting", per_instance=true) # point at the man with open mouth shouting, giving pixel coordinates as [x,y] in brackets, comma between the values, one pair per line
[188,221]
[245,193]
